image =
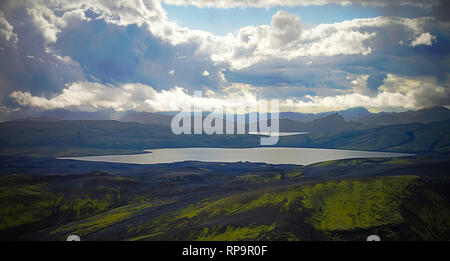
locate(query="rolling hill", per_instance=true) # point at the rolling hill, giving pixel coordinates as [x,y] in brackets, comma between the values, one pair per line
[148,118]
[412,138]
[79,138]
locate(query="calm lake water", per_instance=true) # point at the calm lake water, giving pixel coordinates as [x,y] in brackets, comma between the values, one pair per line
[280,134]
[272,155]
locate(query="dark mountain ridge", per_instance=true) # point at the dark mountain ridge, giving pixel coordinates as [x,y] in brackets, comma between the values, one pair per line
[49,138]
[426,115]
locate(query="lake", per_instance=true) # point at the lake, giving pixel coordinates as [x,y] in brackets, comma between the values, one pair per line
[280,134]
[270,155]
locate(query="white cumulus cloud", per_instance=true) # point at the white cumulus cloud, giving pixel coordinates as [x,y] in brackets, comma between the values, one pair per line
[287,37]
[423,39]
[7,30]
[88,96]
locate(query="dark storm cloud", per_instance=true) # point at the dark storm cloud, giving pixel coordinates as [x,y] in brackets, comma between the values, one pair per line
[27,65]
[442,11]
[375,80]
[117,54]
[419,61]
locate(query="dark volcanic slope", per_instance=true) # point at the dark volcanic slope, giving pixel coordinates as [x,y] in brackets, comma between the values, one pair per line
[404,198]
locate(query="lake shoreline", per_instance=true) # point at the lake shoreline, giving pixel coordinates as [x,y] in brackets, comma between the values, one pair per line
[268,155]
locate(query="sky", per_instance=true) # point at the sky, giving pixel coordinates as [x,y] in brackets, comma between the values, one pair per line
[151,55]
[221,21]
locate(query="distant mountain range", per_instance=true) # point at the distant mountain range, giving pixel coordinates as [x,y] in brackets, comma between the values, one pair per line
[42,118]
[421,116]
[348,115]
[331,123]
[81,115]
[148,118]
[290,120]
[346,120]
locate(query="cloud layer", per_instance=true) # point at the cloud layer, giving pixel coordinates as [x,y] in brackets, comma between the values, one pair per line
[292,3]
[396,92]
[127,55]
